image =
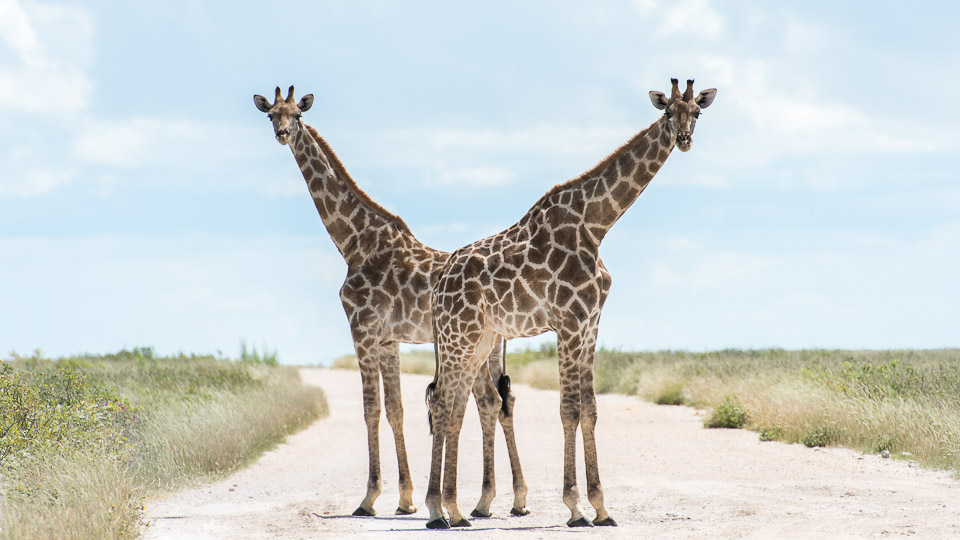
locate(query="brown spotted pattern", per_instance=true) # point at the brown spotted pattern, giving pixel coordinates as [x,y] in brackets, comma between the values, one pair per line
[386,297]
[543,273]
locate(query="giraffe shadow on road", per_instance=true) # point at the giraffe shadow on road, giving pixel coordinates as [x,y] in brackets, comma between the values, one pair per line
[478,524]
[375,518]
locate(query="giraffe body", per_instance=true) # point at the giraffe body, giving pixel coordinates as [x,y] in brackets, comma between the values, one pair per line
[544,273]
[386,297]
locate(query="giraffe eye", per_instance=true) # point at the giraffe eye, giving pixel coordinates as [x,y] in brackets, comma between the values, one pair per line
[696,114]
[270,117]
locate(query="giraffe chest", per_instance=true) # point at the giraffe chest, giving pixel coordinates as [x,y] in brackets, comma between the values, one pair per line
[392,298]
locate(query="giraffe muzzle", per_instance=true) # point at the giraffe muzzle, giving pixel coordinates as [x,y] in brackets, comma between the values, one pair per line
[684,141]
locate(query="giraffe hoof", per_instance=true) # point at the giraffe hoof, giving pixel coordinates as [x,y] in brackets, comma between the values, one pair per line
[581,522]
[363,512]
[401,511]
[605,522]
[477,513]
[462,522]
[439,523]
[519,511]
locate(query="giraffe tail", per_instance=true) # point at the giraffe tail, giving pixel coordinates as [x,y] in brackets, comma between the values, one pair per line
[503,385]
[503,388]
[428,398]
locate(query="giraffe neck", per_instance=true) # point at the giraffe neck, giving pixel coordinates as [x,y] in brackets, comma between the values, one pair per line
[346,211]
[597,199]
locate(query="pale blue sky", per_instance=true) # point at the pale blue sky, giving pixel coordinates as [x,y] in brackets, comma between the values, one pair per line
[144,201]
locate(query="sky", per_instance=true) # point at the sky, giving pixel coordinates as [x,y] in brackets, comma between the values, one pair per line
[145,203]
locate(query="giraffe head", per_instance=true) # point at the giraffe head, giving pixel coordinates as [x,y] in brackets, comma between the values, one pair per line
[682,110]
[284,113]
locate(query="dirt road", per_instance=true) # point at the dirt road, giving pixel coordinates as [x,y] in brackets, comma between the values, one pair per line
[663,474]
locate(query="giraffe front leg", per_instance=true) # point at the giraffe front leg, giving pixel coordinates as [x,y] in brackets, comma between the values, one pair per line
[570,418]
[370,376]
[390,368]
[588,422]
[571,495]
[588,425]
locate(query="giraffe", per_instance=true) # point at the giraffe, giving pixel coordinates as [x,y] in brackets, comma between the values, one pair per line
[544,273]
[386,297]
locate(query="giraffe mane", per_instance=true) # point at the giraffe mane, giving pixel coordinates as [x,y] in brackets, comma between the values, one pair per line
[352,184]
[596,169]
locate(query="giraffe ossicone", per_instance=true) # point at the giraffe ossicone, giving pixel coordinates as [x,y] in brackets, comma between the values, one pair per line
[386,298]
[544,273]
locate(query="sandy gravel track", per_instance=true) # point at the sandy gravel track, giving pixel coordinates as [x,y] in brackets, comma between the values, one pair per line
[664,476]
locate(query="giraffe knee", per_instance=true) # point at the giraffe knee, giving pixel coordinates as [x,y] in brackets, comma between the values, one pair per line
[489,403]
[588,418]
[570,414]
[371,409]
[395,413]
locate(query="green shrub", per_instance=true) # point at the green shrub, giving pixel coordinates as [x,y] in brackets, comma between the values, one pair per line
[884,442]
[771,433]
[49,412]
[819,435]
[728,414]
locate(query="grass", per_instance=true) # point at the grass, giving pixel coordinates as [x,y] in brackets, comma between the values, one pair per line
[895,402]
[85,440]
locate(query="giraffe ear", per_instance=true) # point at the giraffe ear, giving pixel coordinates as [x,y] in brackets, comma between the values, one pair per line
[705,98]
[659,99]
[305,103]
[261,103]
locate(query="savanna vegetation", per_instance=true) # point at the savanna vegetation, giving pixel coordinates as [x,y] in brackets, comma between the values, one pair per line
[900,403]
[84,440]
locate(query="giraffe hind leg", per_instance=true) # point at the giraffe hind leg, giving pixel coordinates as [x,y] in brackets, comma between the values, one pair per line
[488,406]
[370,376]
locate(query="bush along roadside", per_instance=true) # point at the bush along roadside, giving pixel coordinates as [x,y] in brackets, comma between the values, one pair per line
[85,440]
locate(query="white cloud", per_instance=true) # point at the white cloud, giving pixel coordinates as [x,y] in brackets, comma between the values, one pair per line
[475,176]
[777,112]
[51,46]
[135,142]
[803,38]
[560,141]
[645,7]
[694,18]
[717,272]
[139,141]
[34,182]
[703,180]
